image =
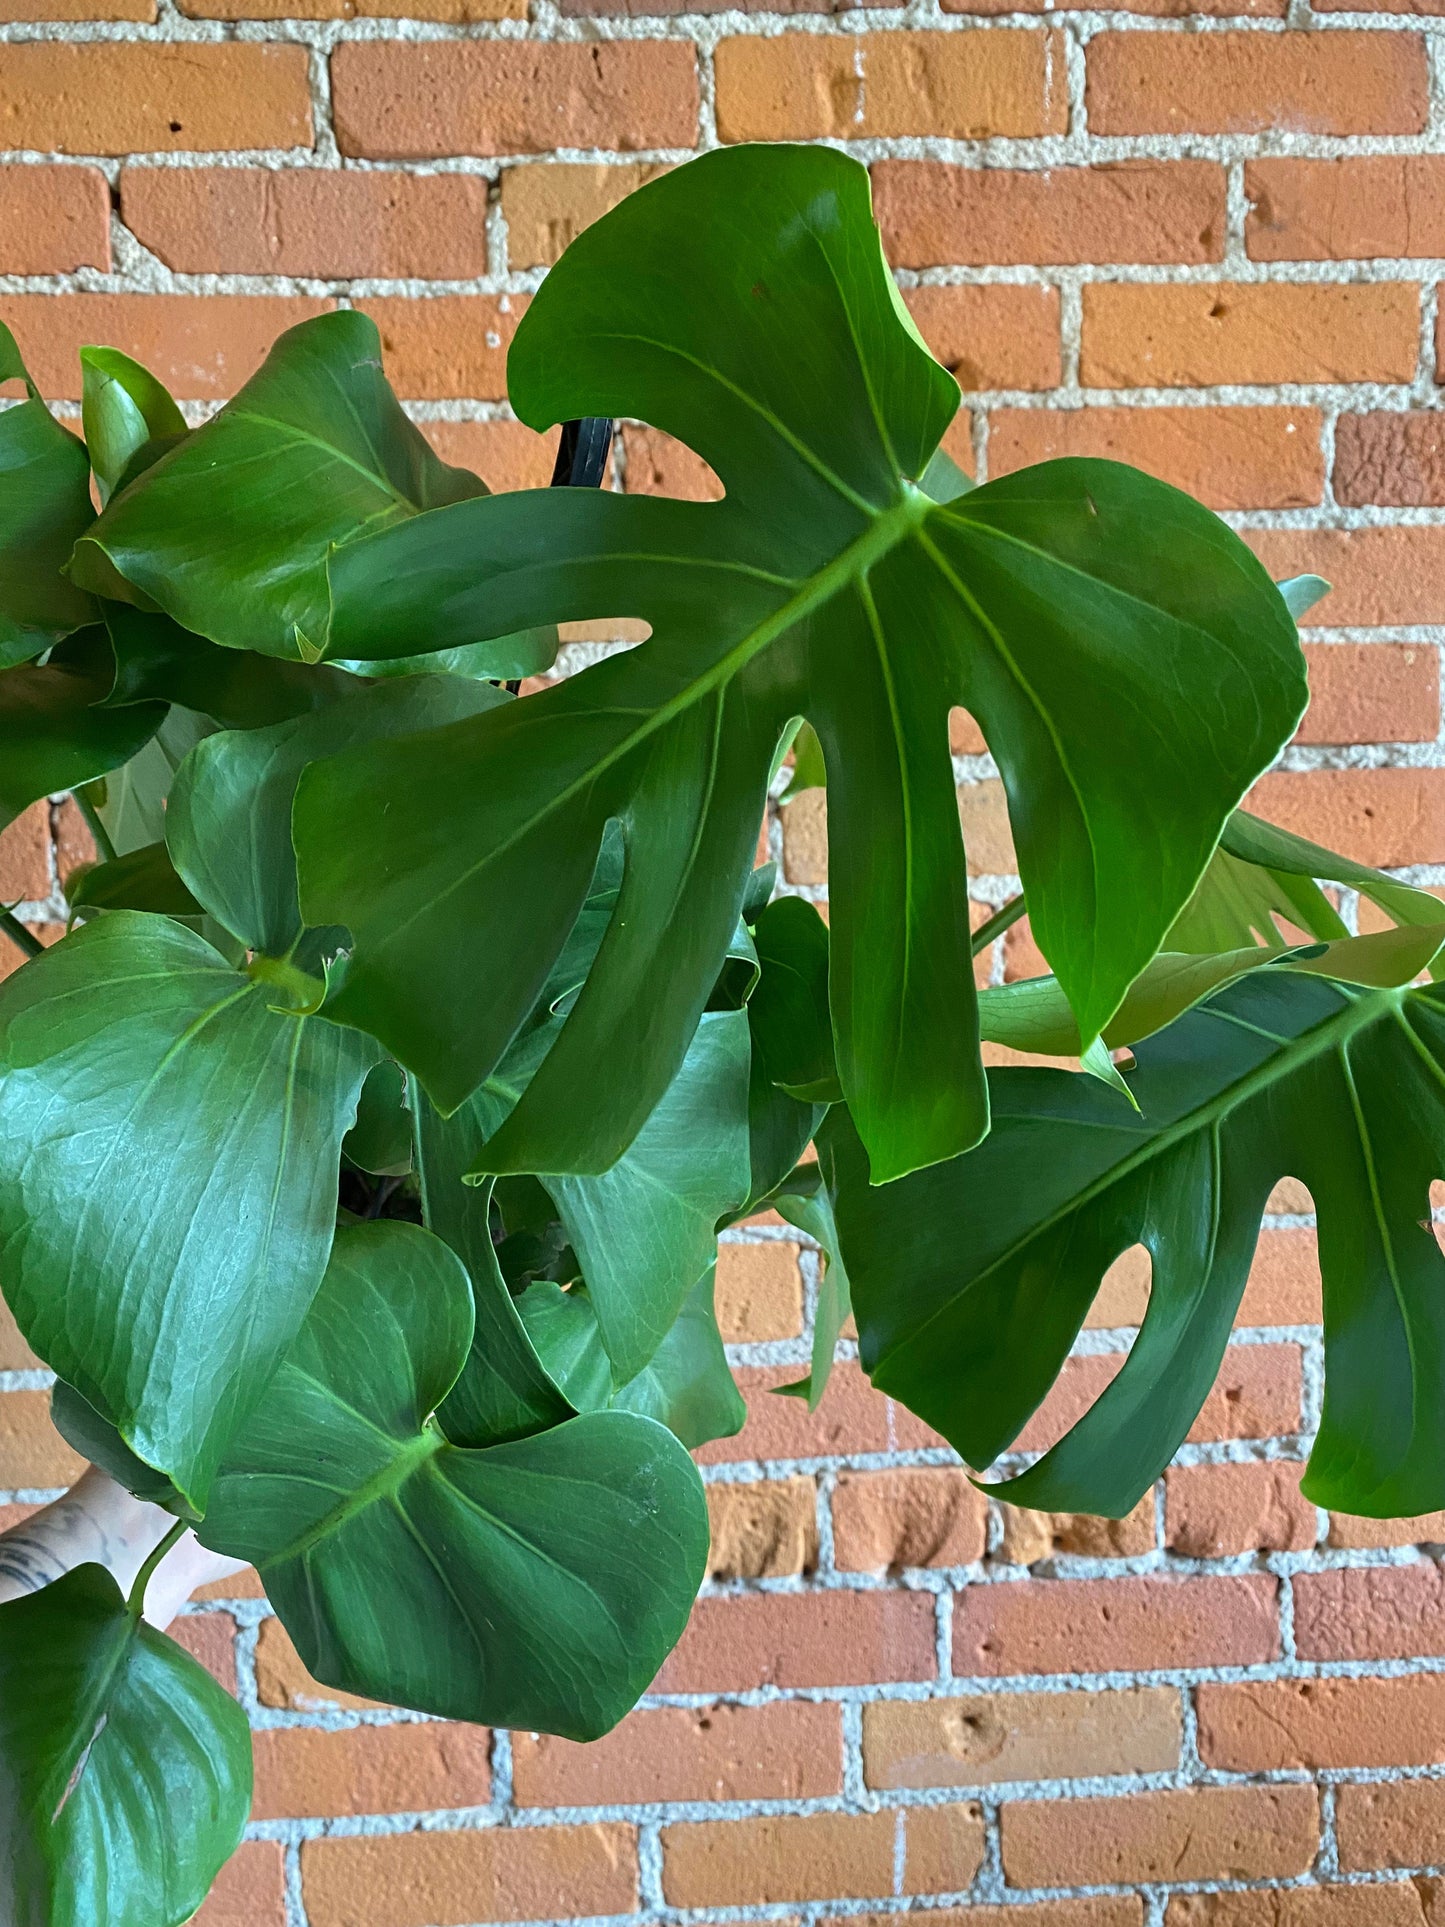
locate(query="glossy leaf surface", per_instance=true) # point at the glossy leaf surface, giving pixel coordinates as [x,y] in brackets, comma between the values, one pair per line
[52,735]
[125,1770]
[1065,607]
[552,1575]
[124,411]
[44,505]
[169,1146]
[156,659]
[230,532]
[971,1282]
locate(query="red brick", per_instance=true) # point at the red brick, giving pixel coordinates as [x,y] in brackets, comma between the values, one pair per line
[130,97]
[657,464]
[1383,817]
[445,1879]
[852,1417]
[942,1848]
[1097,1910]
[1370,1612]
[1199,334]
[1427,1529]
[398,100]
[985,1739]
[32,1452]
[1391,1826]
[1029,1537]
[54,11]
[803,1639]
[1391,457]
[934,214]
[201,346]
[991,337]
[303,1772]
[1114,1625]
[763,1528]
[1381,575]
[782,1857]
[25,856]
[759,1291]
[460,12]
[1211,1510]
[308,220]
[506,455]
[53,220]
[1123,1295]
[1367,207]
[283,1681]
[1230,458]
[547,204]
[15,1354]
[1392,1904]
[210,1638]
[250,1890]
[924,1516]
[789,1750]
[1293,1725]
[452,345]
[1254,83]
[1206,1833]
[960,86]
[1256,1395]
[1363,692]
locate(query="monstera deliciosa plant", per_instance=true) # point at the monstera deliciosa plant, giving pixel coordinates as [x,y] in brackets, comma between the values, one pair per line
[365,1140]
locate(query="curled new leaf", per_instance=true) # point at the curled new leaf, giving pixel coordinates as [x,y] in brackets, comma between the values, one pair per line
[1066,607]
[552,1575]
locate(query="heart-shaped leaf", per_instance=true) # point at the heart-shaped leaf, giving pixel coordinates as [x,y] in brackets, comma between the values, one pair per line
[44,505]
[125,1770]
[971,1281]
[552,1575]
[230,532]
[169,1146]
[741,303]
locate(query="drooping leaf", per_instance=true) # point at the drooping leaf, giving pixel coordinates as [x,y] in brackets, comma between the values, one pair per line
[44,505]
[169,1146]
[971,1281]
[807,1205]
[552,1575]
[229,533]
[125,1770]
[228,823]
[52,735]
[644,1231]
[126,413]
[741,303]
[156,658]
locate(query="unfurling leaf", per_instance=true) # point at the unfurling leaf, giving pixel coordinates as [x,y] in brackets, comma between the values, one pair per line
[129,418]
[552,1575]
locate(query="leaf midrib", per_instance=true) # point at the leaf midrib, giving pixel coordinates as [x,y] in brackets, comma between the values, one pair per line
[1336,1030]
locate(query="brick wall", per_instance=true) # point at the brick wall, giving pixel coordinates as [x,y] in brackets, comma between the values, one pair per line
[1206,244]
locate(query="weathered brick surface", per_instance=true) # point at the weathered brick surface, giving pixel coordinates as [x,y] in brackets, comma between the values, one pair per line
[1206,243]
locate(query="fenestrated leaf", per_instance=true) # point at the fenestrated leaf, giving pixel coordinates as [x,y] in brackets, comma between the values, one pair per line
[1237,903]
[229,533]
[169,1146]
[228,822]
[44,505]
[741,303]
[125,412]
[125,1770]
[644,1231]
[1252,840]
[52,737]
[971,1281]
[156,658]
[551,1575]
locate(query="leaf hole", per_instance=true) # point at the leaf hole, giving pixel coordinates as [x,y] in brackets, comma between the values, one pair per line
[653,463]
[1123,1295]
[1437,1210]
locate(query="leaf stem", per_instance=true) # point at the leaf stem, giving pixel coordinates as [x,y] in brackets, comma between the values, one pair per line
[22,938]
[998,923]
[135,1605]
[98,830]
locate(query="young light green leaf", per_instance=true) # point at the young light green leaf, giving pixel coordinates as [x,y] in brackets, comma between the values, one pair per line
[1065,607]
[44,506]
[552,1574]
[970,1282]
[127,1769]
[1237,904]
[809,771]
[1302,592]
[124,411]
[1252,840]
[811,1210]
[230,532]
[161,1236]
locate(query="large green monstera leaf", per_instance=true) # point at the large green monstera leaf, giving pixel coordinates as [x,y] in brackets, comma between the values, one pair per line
[539,1583]
[125,1770]
[44,505]
[971,1280]
[742,303]
[169,1144]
